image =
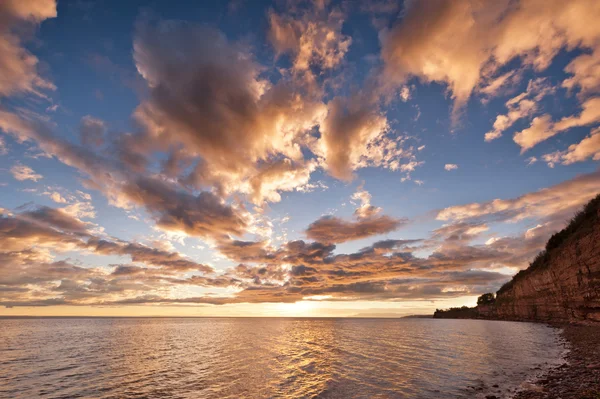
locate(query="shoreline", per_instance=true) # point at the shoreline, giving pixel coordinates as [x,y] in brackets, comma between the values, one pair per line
[579,376]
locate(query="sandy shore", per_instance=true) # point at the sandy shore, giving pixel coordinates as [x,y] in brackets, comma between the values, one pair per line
[580,377]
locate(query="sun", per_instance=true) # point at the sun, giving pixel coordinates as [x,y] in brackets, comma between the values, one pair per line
[296,309]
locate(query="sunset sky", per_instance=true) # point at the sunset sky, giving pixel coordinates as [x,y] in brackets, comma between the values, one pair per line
[287,158]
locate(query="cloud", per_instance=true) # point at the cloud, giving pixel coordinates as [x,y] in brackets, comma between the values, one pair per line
[331,229]
[30,240]
[313,35]
[347,131]
[450,166]
[23,172]
[405,94]
[380,7]
[56,197]
[218,131]
[284,175]
[213,108]
[144,254]
[519,107]
[460,231]
[55,218]
[586,73]
[542,127]
[590,114]
[559,201]
[465,43]
[18,67]
[204,215]
[220,125]
[241,133]
[365,210]
[92,130]
[587,148]
[3,149]
[386,270]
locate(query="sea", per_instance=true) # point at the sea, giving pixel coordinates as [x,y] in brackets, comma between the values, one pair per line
[271,357]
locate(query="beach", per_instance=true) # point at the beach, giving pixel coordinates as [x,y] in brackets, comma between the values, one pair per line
[579,377]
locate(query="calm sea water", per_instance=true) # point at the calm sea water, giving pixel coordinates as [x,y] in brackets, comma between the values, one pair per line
[269,358]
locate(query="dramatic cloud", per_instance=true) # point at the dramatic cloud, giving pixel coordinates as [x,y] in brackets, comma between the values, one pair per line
[204,214]
[207,100]
[219,137]
[245,134]
[30,240]
[386,270]
[18,67]
[464,43]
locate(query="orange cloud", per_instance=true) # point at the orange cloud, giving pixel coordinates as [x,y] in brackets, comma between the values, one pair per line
[519,107]
[558,202]
[331,229]
[587,148]
[542,127]
[18,67]
[464,43]
[347,131]
[23,172]
[313,36]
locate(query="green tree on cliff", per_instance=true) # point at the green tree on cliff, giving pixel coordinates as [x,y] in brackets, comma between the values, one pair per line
[486,299]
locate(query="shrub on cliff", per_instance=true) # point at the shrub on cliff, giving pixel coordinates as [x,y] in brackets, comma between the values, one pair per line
[486,299]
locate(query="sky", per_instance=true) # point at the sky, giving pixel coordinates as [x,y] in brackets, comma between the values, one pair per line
[288,158]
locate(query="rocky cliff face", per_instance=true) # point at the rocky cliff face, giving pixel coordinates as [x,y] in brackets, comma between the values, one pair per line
[565,288]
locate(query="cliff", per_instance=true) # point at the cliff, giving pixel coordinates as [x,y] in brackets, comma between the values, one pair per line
[563,283]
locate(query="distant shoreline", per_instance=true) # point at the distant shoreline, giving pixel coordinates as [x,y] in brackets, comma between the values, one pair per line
[221,317]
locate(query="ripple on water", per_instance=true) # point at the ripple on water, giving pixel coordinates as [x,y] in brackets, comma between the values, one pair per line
[270,358]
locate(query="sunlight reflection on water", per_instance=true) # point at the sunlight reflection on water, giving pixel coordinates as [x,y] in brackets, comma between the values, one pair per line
[269,358]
